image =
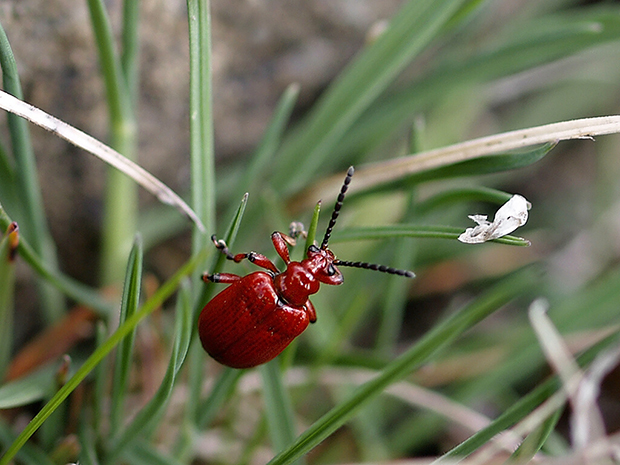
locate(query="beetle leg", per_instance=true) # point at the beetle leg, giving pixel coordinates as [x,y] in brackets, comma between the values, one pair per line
[310,311]
[222,247]
[279,242]
[262,261]
[253,257]
[225,278]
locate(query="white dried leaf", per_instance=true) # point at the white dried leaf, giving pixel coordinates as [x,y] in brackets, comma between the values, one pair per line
[509,217]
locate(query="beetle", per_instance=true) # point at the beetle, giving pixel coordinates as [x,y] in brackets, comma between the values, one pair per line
[255,318]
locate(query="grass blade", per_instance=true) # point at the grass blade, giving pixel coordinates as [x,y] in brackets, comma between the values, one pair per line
[375,175]
[410,31]
[124,352]
[547,39]
[8,251]
[151,413]
[67,285]
[278,407]
[405,230]
[31,388]
[113,158]
[522,407]
[439,337]
[201,120]
[121,197]
[28,191]
[165,291]
[29,455]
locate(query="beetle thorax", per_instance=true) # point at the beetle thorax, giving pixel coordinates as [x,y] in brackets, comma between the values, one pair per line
[296,283]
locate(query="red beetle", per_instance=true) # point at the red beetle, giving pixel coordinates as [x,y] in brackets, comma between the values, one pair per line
[258,315]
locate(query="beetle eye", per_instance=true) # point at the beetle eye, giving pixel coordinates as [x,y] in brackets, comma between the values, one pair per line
[313,248]
[331,270]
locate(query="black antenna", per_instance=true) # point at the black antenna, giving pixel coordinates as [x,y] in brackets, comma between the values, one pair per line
[337,207]
[375,267]
[332,223]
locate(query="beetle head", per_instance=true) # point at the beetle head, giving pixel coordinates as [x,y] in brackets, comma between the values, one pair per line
[322,262]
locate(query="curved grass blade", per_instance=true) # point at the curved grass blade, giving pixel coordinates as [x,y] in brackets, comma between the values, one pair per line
[416,24]
[404,230]
[165,291]
[151,413]
[121,195]
[30,454]
[465,194]
[8,251]
[534,441]
[27,189]
[372,176]
[31,388]
[485,165]
[201,120]
[262,159]
[69,286]
[278,406]
[124,352]
[8,186]
[522,407]
[550,38]
[82,140]
[439,337]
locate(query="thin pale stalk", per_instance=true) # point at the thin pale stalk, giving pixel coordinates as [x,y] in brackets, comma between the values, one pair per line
[121,201]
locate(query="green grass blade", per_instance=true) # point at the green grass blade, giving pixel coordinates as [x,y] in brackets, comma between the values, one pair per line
[121,198]
[31,388]
[143,453]
[30,454]
[278,406]
[520,408]
[165,291]
[534,441]
[8,186]
[463,194]
[547,39]
[405,230]
[88,451]
[206,289]
[439,337]
[28,192]
[222,390]
[262,160]
[8,251]
[129,305]
[200,414]
[130,48]
[152,412]
[410,31]
[484,165]
[201,119]
[396,291]
[67,285]
[314,223]
[100,387]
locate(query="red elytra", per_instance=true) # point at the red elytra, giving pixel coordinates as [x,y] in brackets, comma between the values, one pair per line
[255,318]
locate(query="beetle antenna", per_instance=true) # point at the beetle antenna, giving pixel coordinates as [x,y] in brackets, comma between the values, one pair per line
[375,267]
[337,207]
